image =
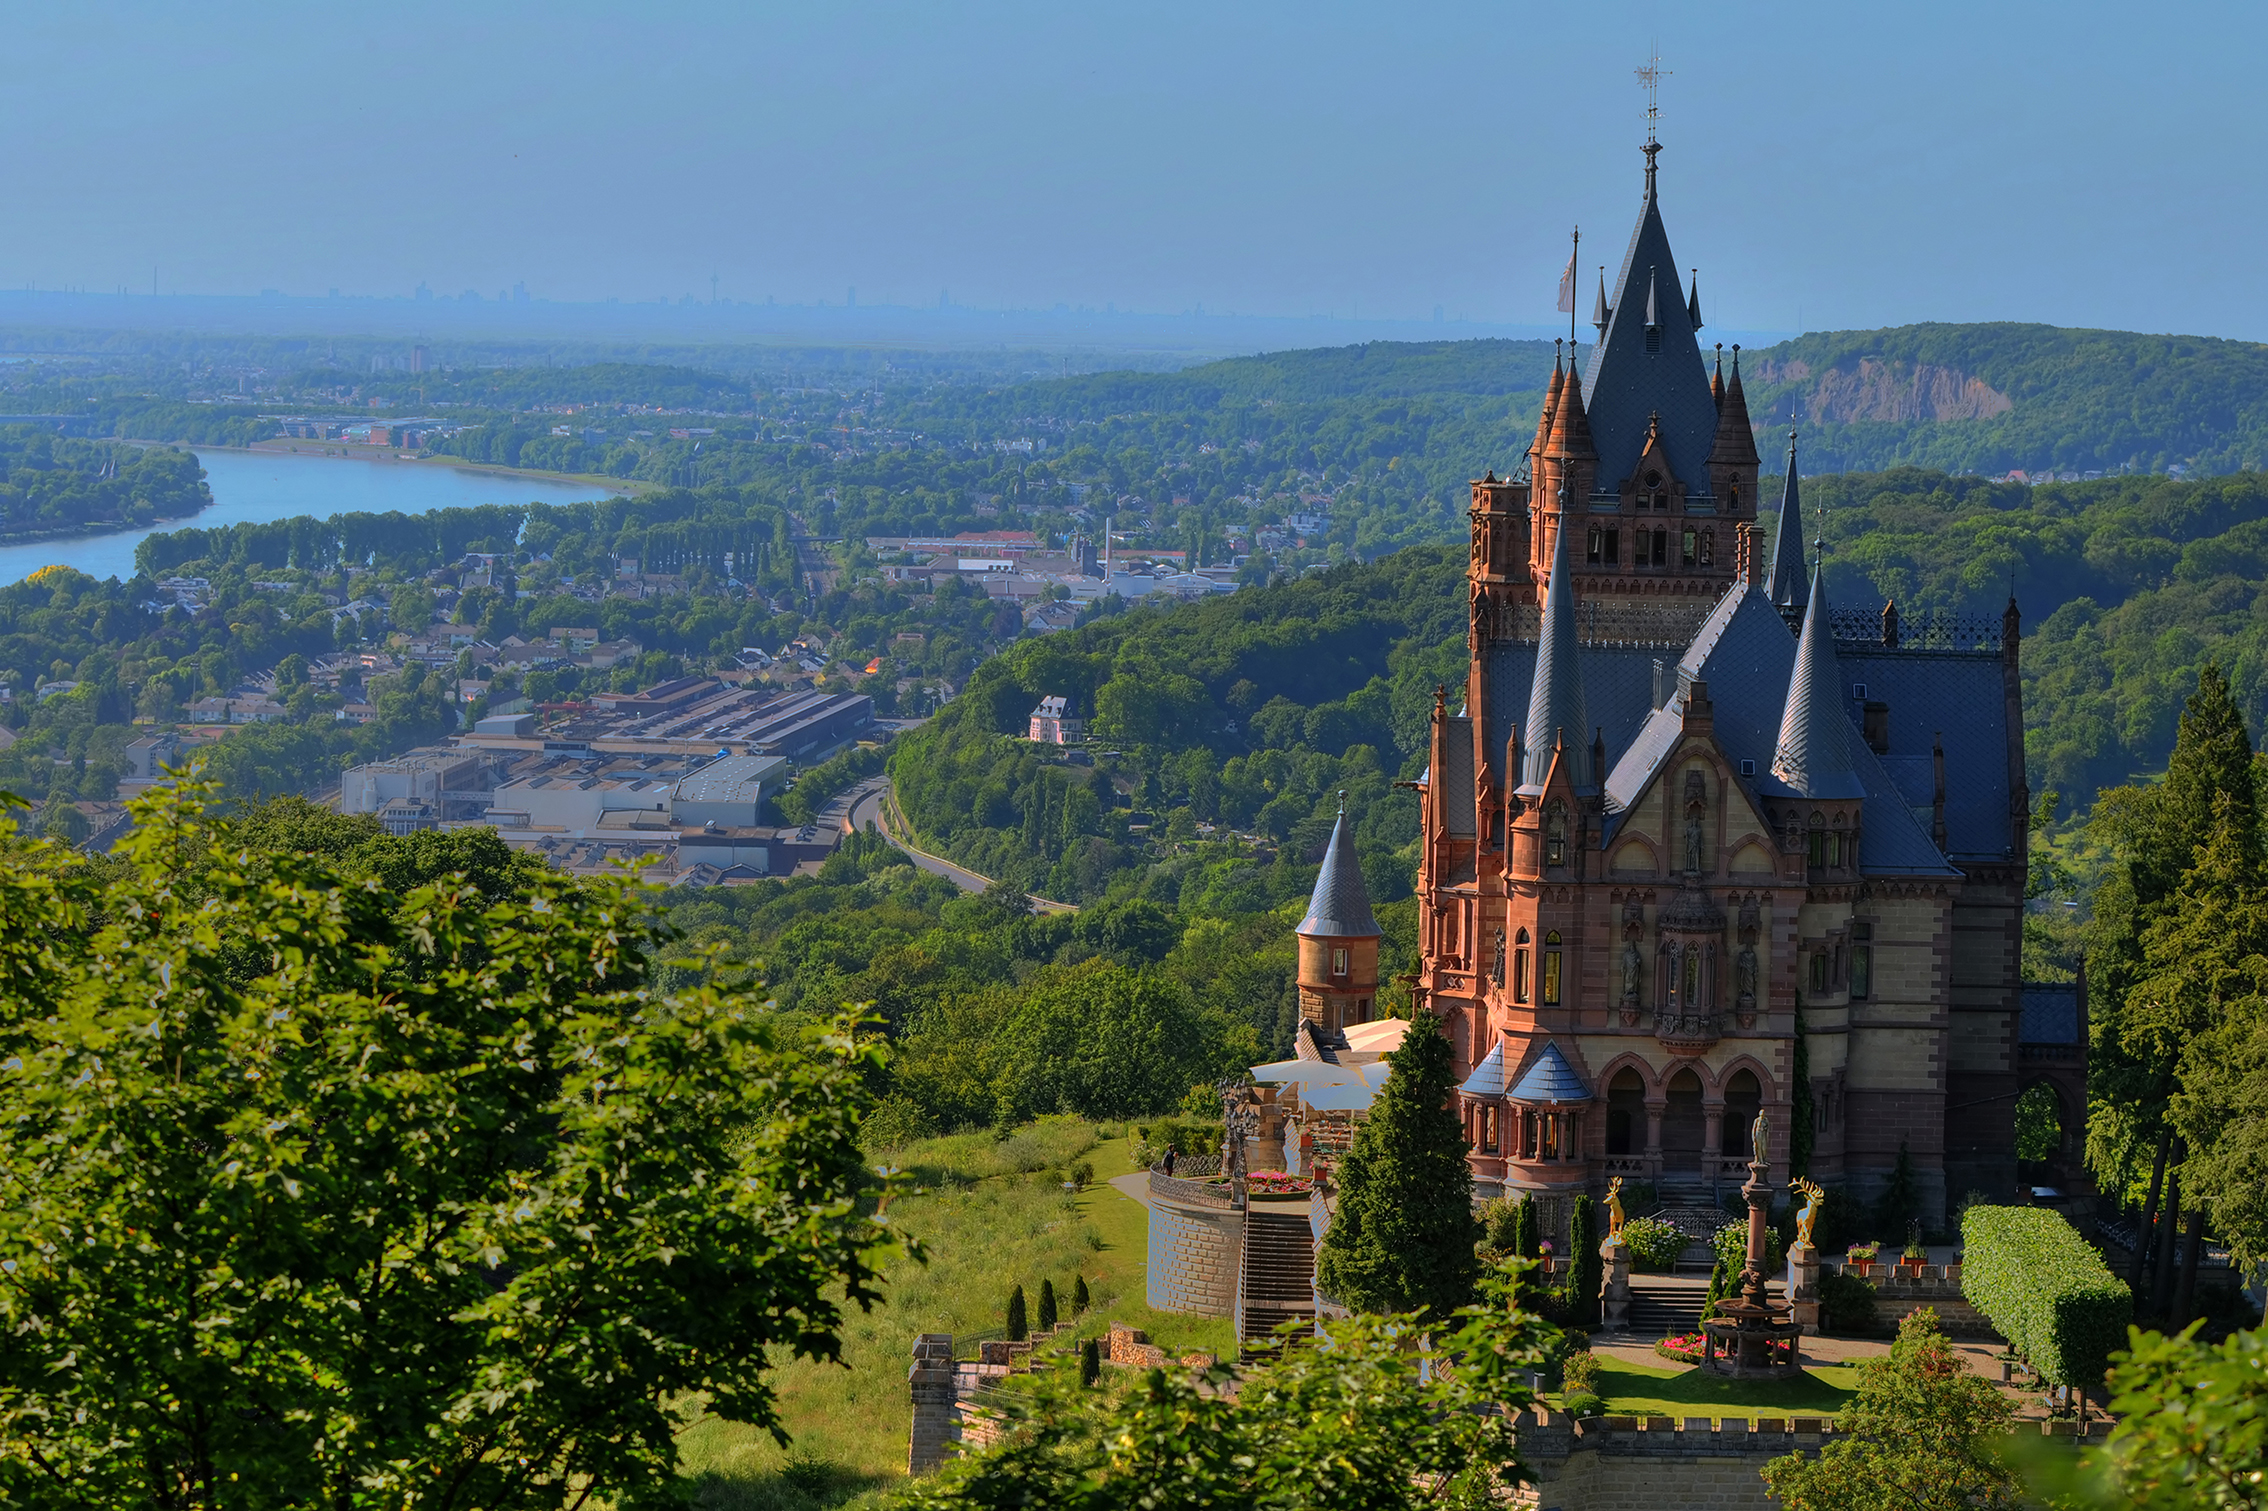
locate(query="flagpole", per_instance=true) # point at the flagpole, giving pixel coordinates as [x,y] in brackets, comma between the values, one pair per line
[1575,296]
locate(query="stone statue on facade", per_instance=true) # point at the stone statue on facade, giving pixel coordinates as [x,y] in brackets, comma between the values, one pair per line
[1633,964]
[1759,1139]
[1693,842]
[1745,974]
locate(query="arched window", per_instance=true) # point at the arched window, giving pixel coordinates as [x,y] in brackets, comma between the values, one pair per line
[1692,547]
[1496,959]
[1338,962]
[1743,1098]
[1520,968]
[1551,969]
[1626,1112]
[1817,854]
[1693,979]
[1555,834]
[1819,972]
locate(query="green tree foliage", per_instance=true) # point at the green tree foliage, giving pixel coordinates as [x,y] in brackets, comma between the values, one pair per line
[2045,1289]
[50,485]
[1079,1297]
[1018,1328]
[1364,1422]
[2192,1429]
[1046,1305]
[2039,1125]
[1403,1236]
[1919,1436]
[323,1193]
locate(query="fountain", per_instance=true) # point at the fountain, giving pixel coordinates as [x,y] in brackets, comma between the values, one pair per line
[1754,1337]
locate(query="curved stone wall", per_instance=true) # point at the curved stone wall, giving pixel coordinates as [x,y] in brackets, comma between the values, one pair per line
[1195,1252]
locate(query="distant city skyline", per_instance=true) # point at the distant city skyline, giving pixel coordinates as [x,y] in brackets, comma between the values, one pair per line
[1274,161]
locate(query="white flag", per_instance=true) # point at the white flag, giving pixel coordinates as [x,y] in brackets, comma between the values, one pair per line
[1567,287]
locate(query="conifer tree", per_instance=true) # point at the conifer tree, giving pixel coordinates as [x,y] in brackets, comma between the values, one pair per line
[1080,1300]
[1046,1305]
[1018,1328]
[1403,1237]
[1090,1362]
[1584,1275]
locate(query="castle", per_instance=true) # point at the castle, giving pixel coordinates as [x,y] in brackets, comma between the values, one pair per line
[1699,842]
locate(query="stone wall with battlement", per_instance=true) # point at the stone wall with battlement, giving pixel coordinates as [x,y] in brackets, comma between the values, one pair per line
[1898,1293]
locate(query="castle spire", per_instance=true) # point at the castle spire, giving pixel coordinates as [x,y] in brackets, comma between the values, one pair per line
[1339,908]
[1693,301]
[1717,386]
[1599,310]
[1786,587]
[1570,427]
[1556,712]
[1814,754]
[1735,444]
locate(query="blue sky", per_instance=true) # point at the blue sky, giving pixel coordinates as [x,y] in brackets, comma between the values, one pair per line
[1827,165]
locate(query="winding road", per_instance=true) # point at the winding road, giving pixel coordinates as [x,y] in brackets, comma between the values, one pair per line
[869,805]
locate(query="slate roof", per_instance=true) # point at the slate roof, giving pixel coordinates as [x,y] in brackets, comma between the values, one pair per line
[1549,1078]
[1625,384]
[1487,1079]
[1746,655]
[1787,587]
[1555,701]
[1457,776]
[1813,753]
[2050,1013]
[1340,906]
[1959,699]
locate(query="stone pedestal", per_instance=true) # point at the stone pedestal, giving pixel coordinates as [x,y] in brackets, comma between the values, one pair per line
[1803,1287]
[1614,1292]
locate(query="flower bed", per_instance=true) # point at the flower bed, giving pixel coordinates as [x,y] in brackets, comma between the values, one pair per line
[1277,1183]
[1686,1348]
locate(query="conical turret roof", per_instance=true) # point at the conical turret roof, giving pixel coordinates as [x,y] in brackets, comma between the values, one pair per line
[1340,906]
[1814,752]
[1786,589]
[1570,427]
[1556,709]
[1550,406]
[1735,444]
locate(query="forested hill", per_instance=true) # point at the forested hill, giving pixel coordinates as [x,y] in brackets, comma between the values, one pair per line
[1251,711]
[1989,398]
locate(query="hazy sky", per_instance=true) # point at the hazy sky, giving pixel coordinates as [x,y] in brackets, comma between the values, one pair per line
[1827,165]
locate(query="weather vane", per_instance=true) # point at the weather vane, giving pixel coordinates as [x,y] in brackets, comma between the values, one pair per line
[1651,76]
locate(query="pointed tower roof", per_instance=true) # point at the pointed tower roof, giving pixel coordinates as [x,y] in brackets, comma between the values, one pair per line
[1550,404]
[1550,1081]
[1786,587]
[1693,301]
[1487,1079]
[1556,709]
[1735,444]
[1570,426]
[1340,906]
[1717,388]
[1814,752]
[1643,365]
[1599,310]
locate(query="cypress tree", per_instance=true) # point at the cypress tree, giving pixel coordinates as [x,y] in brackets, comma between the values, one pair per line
[1047,1305]
[1018,1330]
[1403,1237]
[1585,1274]
[1080,1300]
[1090,1362]
[1526,1240]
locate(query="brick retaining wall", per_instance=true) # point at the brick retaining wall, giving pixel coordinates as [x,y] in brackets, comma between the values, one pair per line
[1896,1294]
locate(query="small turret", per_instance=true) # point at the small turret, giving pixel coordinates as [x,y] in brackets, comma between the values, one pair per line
[1813,755]
[1786,587]
[1556,708]
[1338,940]
[1693,301]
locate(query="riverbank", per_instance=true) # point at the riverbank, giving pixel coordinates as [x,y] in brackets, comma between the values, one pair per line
[349,452]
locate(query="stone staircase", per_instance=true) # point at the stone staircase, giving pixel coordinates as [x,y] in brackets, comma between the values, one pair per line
[1278,1283]
[1665,1305]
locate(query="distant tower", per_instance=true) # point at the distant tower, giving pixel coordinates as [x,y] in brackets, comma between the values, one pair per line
[1338,941]
[417,359]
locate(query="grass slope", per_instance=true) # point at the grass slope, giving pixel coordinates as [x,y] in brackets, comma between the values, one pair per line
[1681,1391]
[991,1214]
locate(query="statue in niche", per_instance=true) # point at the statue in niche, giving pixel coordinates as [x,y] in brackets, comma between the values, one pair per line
[1496,960]
[1745,974]
[1693,842]
[1633,964]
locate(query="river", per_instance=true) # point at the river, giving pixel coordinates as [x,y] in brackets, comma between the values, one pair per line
[251,487]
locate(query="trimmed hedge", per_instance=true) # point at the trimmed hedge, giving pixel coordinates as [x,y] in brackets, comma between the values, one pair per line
[2046,1289]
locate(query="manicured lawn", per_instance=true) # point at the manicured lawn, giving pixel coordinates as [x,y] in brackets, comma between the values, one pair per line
[1675,1390]
[993,1215]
